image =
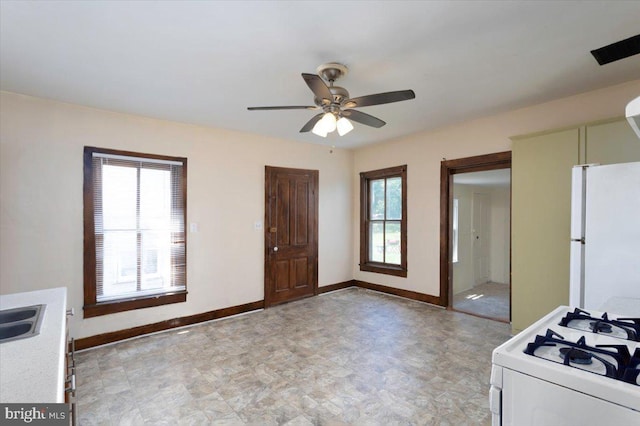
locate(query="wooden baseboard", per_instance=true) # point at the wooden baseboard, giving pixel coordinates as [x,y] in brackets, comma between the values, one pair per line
[334,287]
[114,336]
[408,294]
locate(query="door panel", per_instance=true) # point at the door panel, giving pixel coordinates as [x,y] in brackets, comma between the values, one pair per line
[282,218]
[282,276]
[291,234]
[480,232]
[302,194]
[300,268]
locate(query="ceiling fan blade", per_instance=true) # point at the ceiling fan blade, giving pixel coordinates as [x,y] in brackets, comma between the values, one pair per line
[270,108]
[381,98]
[307,127]
[363,118]
[318,87]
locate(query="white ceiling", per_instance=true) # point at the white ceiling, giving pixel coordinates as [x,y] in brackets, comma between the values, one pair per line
[205,62]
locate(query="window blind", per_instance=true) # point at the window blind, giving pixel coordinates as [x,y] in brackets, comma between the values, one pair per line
[139,221]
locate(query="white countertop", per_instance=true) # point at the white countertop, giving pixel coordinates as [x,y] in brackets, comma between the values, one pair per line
[32,369]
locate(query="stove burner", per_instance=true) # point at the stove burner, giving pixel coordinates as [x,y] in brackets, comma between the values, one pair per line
[576,356]
[600,327]
[608,360]
[621,328]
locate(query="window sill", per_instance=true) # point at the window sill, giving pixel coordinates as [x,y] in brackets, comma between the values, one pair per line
[122,305]
[382,268]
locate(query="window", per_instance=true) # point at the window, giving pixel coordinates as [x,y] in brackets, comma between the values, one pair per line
[455,231]
[383,221]
[134,230]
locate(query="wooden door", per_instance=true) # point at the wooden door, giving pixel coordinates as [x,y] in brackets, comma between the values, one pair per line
[291,234]
[480,234]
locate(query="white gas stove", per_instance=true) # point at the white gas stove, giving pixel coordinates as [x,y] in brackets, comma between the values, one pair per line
[572,367]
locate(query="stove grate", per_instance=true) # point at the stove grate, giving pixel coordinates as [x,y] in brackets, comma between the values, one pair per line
[612,361]
[623,328]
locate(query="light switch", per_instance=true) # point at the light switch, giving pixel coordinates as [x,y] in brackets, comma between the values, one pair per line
[193,227]
[257,225]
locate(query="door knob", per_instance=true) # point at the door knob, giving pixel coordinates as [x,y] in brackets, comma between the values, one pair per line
[275,249]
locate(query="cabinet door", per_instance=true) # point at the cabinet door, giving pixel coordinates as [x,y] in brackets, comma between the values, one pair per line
[612,142]
[541,216]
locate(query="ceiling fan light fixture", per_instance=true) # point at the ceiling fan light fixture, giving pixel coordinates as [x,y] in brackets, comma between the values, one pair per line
[319,129]
[328,122]
[344,126]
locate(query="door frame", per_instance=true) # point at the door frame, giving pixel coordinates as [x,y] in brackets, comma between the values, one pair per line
[448,168]
[267,249]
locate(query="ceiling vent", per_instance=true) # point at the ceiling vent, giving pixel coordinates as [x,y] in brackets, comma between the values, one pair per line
[618,50]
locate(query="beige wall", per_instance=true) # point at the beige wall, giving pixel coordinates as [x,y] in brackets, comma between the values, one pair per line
[41,204]
[423,153]
[41,195]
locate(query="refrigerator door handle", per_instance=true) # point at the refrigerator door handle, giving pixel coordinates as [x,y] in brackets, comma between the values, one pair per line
[576,273]
[578,211]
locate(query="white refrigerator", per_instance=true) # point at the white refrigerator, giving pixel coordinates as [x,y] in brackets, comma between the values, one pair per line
[605,238]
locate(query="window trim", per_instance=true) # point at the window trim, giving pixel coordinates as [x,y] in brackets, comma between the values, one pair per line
[365,263]
[92,307]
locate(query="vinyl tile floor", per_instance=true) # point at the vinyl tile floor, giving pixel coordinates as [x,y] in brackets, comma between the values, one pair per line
[351,357]
[488,299]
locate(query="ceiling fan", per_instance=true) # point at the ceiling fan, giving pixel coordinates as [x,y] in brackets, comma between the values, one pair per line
[335,103]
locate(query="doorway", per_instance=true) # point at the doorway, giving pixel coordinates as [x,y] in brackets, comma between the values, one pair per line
[291,234]
[476,234]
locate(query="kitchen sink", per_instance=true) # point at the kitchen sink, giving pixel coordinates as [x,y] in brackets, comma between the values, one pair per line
[20,323]
[13,315]
[14,330]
